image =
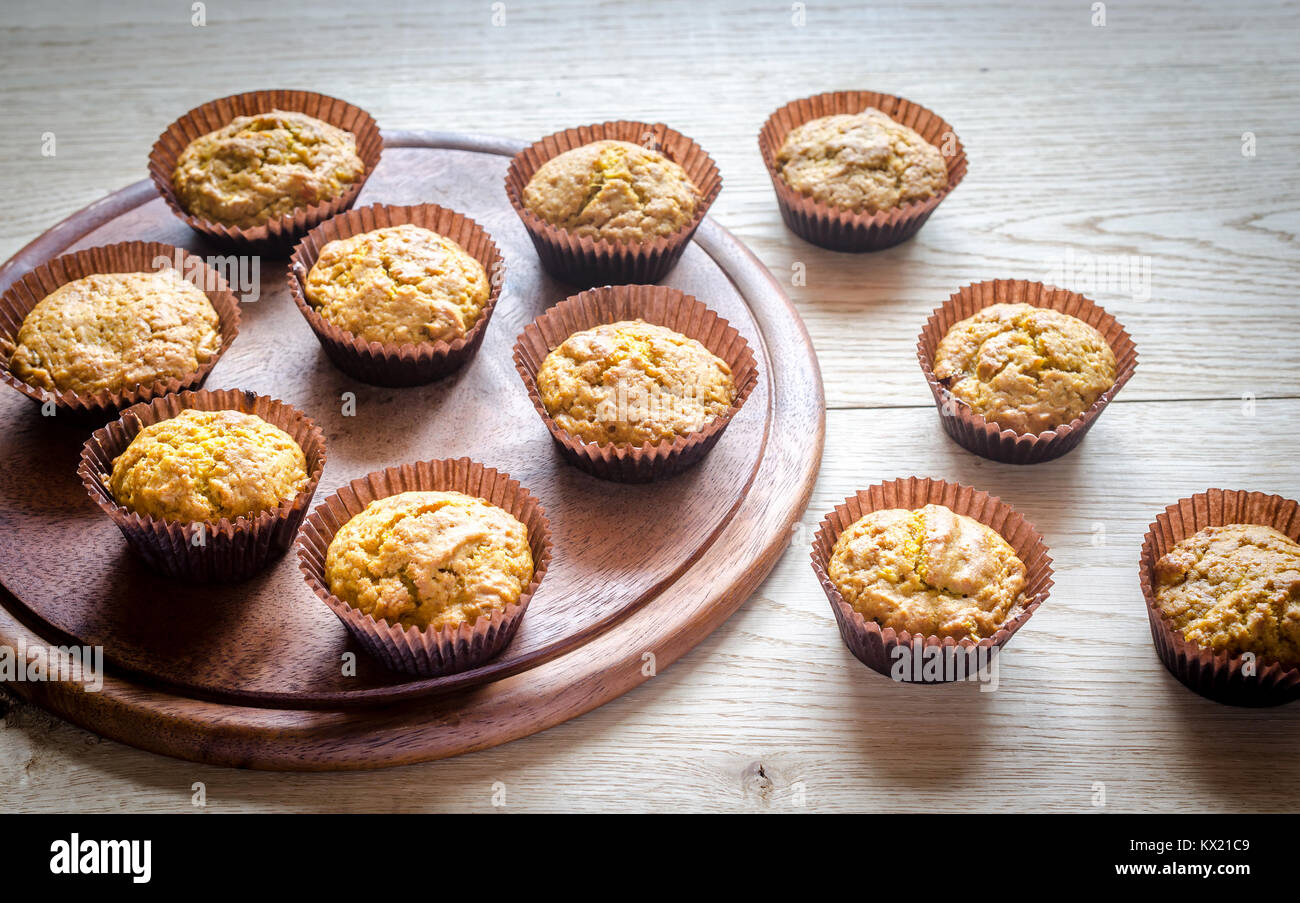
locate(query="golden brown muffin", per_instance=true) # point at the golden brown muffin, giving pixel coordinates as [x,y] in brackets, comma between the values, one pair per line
[930,572]
[613,190]
[429,559]
[864,162]
[401,284]
[1025,368]
[206,465]
[116,331]
[1234,589]
[633,382]
[261,167]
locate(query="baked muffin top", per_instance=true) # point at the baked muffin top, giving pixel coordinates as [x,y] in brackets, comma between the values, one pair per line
[116,331]
[930,572]
[633,382]
[429,559]
[206,465]
[1025,368]
[401,284]
[1234,589]
[259,168]
[864,162]
[613,190]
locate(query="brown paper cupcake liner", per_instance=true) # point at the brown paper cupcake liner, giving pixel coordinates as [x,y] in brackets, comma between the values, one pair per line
[278,235]
[126,257]
[1220,676]
[969,428]
[873,645]
[843,230]
[216,551]
[586,261]
[656,304]
[427,653]
[386,364]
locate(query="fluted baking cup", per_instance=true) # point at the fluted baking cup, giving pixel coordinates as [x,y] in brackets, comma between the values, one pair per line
[987,439]
[585,261]
[126,257]
[428,653]
[1223,677]
[656,304]
[212,551]
[875,646]
[387,364]
[835,227]
[278,235]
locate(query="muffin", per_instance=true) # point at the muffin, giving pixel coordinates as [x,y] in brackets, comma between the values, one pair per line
[259,167]
[429,560]
[203,466]
[861,162]
[613,190]
[116,331]
[1024,368]
[1234,589]
[929,572]
[633,383]
[398,285]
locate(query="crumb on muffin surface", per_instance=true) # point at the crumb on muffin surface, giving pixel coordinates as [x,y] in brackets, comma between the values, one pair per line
[400,284]
[208,465]
[930,572]
[116,331]
[863,162]
[613,190]
[258,168]
[430,559]
[633,382]
[1235,589]
[1025,368]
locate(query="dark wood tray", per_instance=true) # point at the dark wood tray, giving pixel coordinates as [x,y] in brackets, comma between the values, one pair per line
[251,674]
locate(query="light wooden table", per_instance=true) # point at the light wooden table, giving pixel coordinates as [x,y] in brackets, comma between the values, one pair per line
[1123,139]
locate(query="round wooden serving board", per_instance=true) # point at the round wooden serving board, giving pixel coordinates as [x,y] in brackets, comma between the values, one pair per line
[252,674]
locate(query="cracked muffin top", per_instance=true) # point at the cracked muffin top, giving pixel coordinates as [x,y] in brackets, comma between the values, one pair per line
[1027,369]
[1234,589]
[430,559]
[206,465]
[633,382]
[401,284]
[930,572]
[115,332]
[613,190]
[864,162]
[259,168]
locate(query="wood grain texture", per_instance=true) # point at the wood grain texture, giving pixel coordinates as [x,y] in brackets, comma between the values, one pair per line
[1124,139]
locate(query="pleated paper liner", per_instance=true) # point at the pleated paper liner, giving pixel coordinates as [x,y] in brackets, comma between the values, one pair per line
[224,550]
[844,230]
[987,439]
[585,261]
[656,304]
[875,646]
[387,364]
[427,653]
[125,257]
[1225,678]
[278,235]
